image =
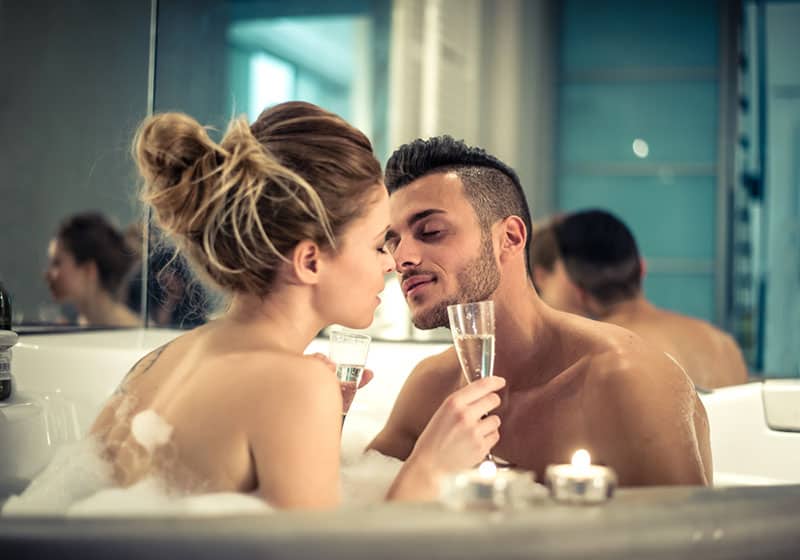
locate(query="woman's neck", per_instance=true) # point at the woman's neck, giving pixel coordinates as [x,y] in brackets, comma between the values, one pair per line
[102,310]
[282,320]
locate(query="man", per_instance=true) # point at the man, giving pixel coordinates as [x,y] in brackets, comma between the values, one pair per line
[588,263]
[459,232]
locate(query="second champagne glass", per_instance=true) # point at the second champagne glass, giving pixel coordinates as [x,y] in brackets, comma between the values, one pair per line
[348,351]
[472,327]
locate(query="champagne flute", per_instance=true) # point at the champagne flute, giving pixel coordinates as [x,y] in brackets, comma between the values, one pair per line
[348,350]
[472,327]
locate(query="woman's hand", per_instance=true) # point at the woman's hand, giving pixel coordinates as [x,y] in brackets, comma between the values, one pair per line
[366,377]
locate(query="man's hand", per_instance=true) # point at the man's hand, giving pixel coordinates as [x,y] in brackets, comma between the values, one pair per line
[462,431]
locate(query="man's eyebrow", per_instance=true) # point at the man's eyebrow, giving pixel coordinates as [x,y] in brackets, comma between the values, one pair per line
[424,214]
[392,234]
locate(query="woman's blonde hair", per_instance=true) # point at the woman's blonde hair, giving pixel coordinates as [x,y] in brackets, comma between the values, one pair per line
[238,208]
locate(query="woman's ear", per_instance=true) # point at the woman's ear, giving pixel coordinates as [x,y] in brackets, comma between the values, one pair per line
[513,237]
[306,261]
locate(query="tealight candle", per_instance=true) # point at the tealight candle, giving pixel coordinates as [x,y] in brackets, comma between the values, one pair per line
[581,482]
[485,487]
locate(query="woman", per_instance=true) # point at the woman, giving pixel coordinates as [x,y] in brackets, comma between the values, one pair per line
[88,263]
[288,217]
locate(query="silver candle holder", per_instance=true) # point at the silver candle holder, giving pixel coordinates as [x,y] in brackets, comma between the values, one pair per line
[581,482]
[487,488]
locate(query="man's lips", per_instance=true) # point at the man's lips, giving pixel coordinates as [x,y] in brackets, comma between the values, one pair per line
[414,282]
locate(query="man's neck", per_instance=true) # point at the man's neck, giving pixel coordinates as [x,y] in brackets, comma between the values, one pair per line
[522,337]
[625,311]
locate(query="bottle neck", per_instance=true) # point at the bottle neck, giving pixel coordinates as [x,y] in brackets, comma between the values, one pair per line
[5,310]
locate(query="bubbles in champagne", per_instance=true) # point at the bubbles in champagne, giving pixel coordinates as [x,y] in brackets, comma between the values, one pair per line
[349,377]
[476,354]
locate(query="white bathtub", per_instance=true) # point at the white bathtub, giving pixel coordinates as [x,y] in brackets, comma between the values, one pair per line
[62,381]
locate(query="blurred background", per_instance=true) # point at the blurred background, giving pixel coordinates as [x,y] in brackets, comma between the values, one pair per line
[681,117]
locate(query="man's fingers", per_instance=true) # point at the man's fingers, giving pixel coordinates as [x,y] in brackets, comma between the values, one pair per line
[489,425]
[479,389]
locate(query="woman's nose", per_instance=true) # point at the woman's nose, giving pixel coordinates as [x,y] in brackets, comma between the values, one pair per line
[388,263]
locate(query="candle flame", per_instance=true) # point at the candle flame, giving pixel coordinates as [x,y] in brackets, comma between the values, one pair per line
[581,459]
[487,469]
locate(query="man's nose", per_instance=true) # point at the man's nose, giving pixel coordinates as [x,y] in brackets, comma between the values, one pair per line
[406,255]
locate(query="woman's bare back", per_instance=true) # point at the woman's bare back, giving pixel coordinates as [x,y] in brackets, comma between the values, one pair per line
[172,417]
[185,413]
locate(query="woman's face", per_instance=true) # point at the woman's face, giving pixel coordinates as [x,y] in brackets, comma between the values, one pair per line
[354,276]
[66,278]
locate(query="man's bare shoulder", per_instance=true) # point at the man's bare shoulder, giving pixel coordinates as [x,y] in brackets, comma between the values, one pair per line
[592,338]
[429,383]
[437,369]
[641,402]
[432,379]
[629,363]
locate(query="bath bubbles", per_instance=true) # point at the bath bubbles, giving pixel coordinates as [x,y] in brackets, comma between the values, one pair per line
[75,472]
[150,430]
[149,497]
[366,478]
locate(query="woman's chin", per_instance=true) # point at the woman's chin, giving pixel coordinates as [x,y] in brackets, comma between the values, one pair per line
[358,324]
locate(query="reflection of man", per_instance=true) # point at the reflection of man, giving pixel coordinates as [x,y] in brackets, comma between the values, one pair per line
[588,263]
[459,228]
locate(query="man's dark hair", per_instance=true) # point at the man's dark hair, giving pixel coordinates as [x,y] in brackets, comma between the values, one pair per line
[491,186]
[544,245]
[544,248]
[600,255]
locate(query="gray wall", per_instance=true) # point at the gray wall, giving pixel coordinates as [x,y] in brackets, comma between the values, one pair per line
[74,87]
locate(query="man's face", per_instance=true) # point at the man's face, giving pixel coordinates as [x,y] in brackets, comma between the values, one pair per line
[557,290]
[440,251]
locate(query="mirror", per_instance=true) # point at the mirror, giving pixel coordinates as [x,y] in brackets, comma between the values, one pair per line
[680,118]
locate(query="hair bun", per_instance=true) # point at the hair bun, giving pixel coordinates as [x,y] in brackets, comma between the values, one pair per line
[174,154]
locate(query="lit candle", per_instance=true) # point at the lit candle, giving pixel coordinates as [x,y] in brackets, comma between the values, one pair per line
[581,482]
[484,487]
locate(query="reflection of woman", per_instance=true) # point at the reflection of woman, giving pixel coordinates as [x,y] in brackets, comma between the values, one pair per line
[88,263]
[288,217]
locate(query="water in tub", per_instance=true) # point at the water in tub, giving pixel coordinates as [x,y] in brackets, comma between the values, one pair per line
[80,482]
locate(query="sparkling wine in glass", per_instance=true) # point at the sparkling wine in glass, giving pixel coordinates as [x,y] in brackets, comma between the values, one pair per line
[472,327]
[348,351]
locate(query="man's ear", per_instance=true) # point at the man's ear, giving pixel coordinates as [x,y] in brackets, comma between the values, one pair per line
[589,306]
[306,262]
[513,237]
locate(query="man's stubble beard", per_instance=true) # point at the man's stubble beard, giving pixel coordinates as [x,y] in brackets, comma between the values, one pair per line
[477,281]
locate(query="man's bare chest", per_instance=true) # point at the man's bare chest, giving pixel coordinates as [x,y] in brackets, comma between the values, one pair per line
[541,428]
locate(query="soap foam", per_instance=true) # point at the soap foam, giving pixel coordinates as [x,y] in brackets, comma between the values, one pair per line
[78,482]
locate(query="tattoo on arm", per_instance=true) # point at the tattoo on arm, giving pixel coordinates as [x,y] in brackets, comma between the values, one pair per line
[140,368]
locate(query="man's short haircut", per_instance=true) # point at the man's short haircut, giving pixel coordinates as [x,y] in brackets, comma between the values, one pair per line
[600,255]
[492,187]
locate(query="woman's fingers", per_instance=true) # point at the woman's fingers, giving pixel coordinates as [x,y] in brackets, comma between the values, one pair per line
[323,358]
[366,377]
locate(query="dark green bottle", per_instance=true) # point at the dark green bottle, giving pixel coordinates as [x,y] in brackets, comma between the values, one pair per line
[5,350]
